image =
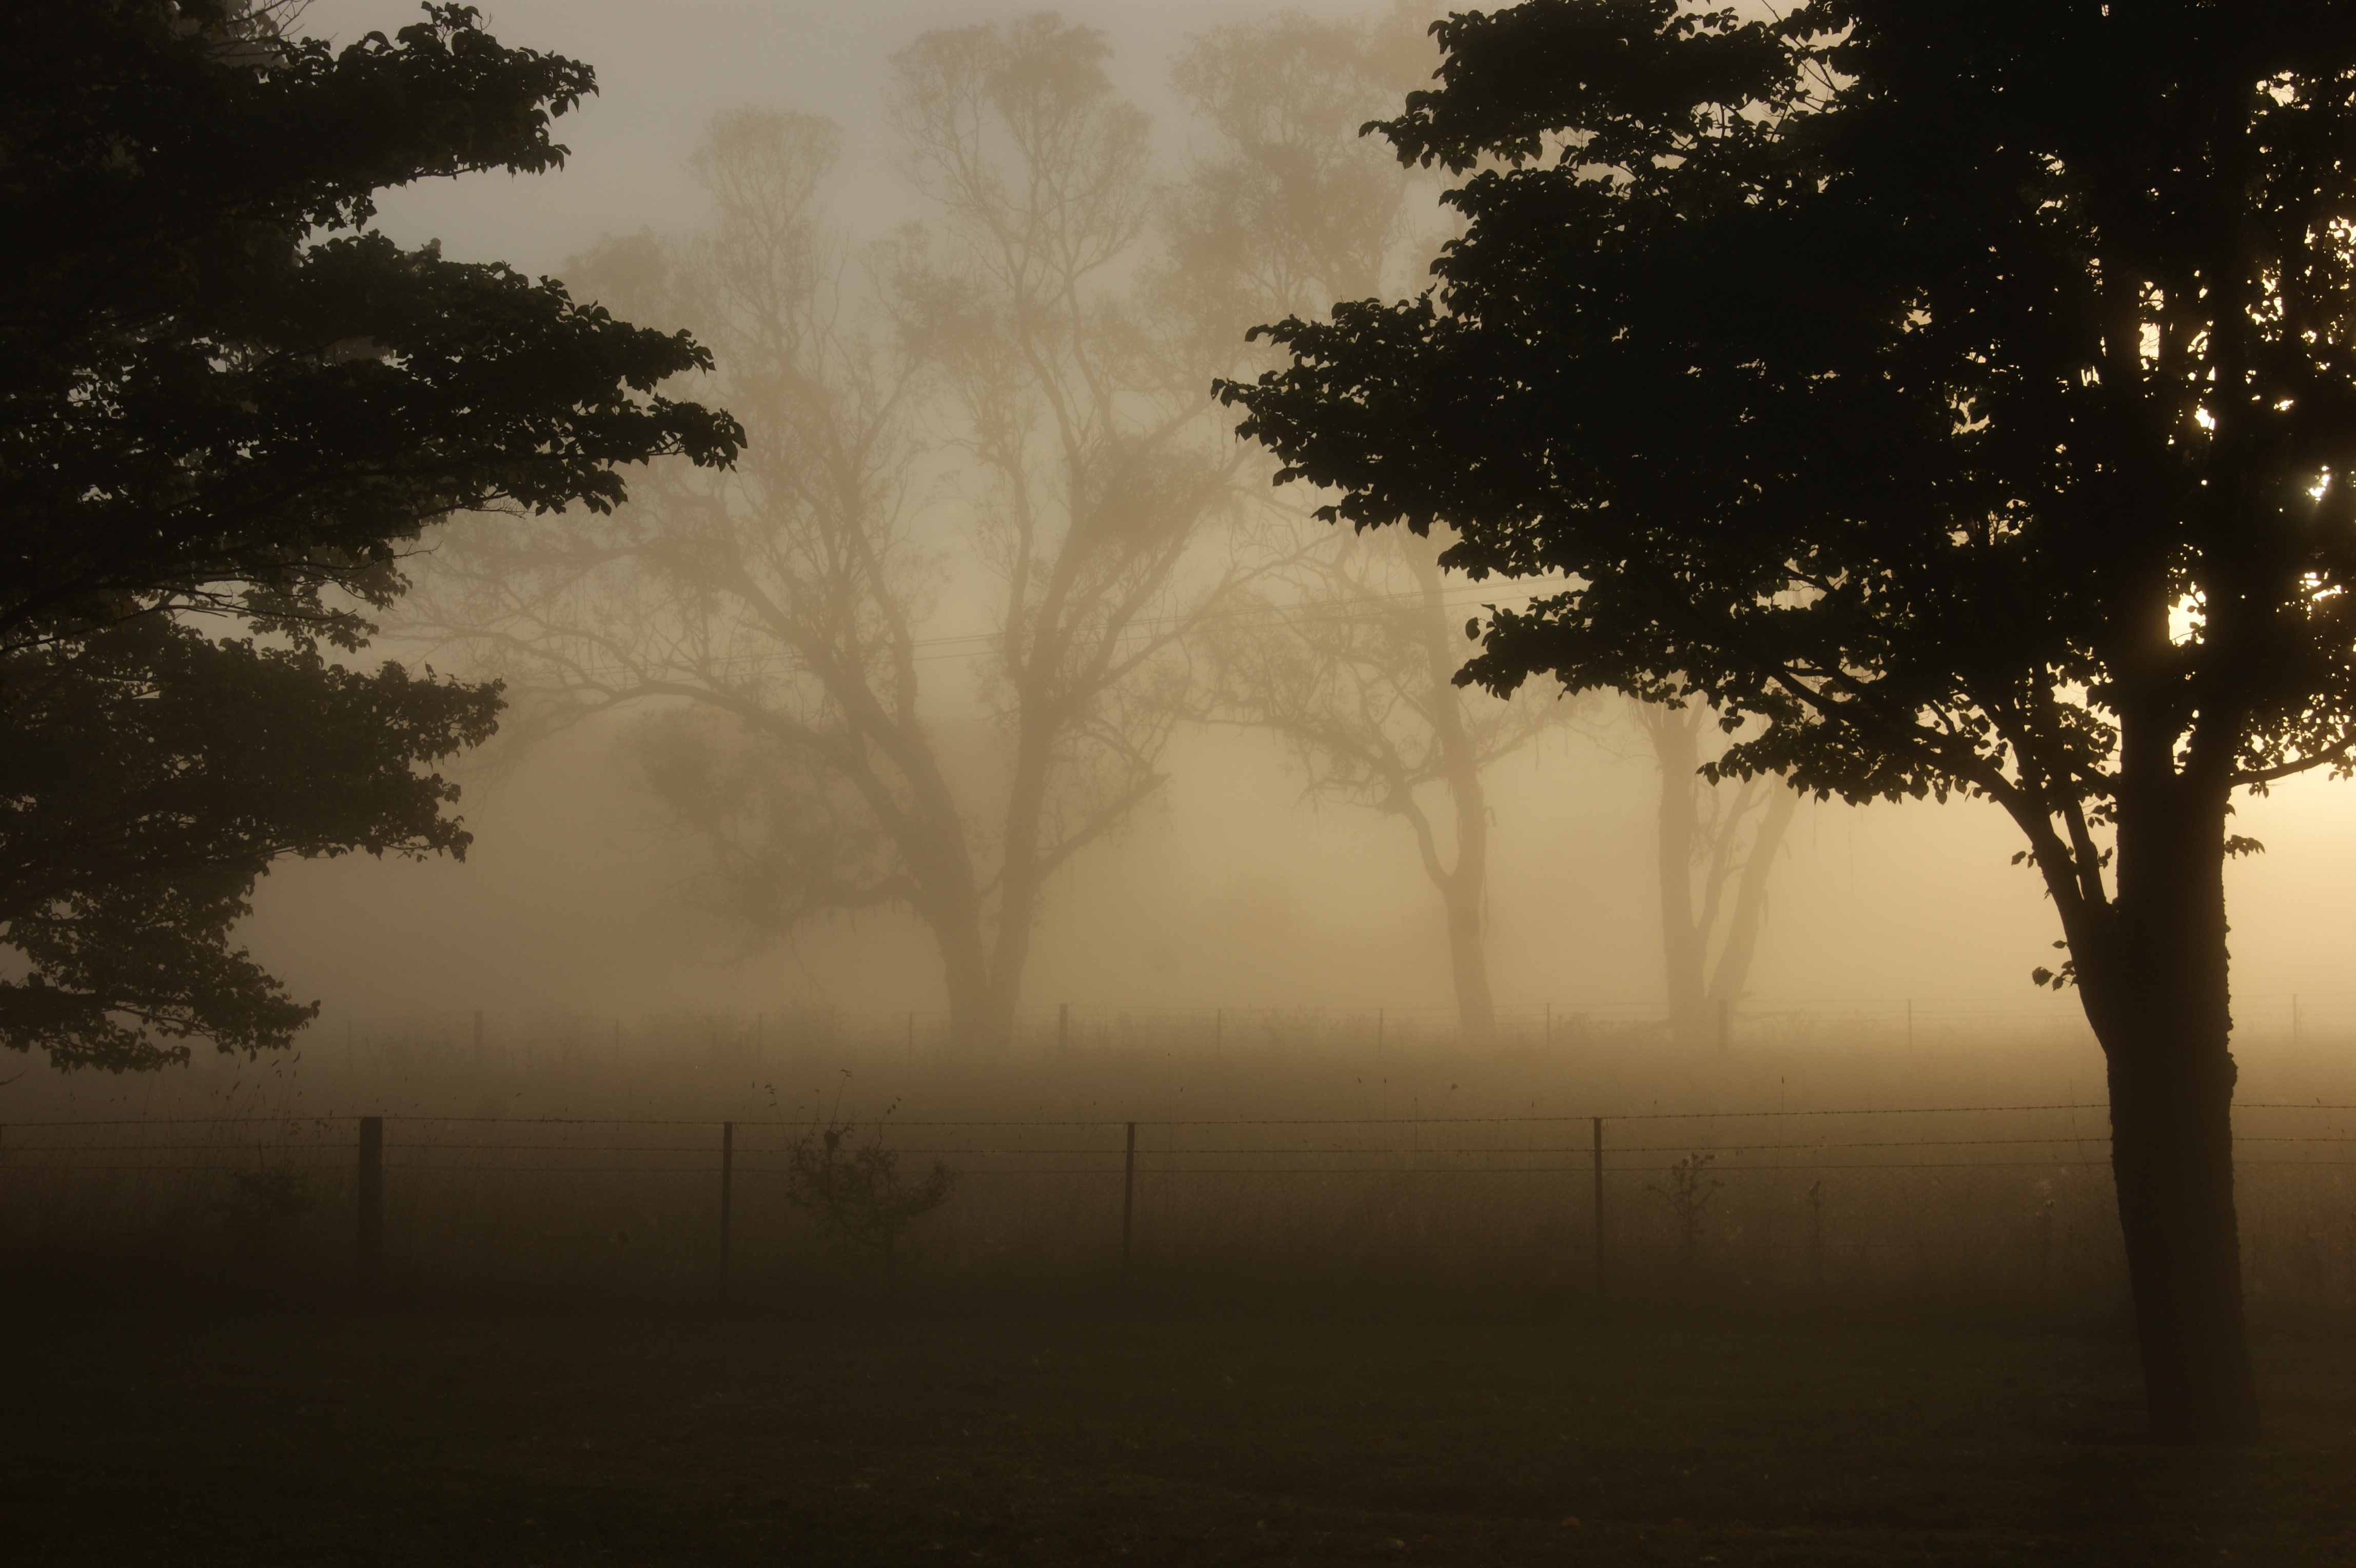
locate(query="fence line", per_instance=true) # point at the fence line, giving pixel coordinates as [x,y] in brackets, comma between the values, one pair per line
[1647,1200]
[297,1120]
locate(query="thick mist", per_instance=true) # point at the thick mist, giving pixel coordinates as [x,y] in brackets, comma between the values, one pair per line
[1249,878]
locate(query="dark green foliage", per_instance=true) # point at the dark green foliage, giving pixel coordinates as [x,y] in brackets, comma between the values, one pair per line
[220,394]
[150,774]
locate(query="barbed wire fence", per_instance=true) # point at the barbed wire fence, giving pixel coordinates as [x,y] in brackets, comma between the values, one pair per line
[1989,1204]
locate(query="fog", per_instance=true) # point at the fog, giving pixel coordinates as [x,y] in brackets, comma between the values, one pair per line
[1001,1001]
[1234,885]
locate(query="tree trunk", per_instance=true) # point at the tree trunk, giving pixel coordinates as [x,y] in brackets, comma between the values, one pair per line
[2171,1084]
[1464,887]
[1682,945]
[973,1019]
[2155,988]
[1733,968]
[1476,1006]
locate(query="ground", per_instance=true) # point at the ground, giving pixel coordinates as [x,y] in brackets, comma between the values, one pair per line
[325,1440]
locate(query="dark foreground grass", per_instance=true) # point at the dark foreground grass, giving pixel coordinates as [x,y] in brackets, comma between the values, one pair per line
[472,1441]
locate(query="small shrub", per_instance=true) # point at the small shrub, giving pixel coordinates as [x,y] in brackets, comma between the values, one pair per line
[856,1193]
[1687,1196]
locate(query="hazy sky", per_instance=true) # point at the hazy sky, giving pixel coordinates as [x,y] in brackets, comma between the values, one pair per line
[1230,891]
[665,67]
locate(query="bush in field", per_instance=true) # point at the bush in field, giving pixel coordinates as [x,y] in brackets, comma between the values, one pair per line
[856,1193]
[1687,1196]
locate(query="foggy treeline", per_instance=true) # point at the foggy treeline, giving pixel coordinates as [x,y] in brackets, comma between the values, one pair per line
[992,544]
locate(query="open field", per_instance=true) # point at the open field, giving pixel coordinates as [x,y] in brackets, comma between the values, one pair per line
[320,1439]
[1835,1175]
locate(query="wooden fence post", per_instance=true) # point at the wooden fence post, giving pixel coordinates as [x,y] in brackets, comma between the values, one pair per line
[1127,1206]
[1599,1214]
[370,1256]
[727,1197]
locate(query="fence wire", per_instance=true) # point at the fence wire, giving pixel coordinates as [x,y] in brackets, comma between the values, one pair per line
[1996,1202]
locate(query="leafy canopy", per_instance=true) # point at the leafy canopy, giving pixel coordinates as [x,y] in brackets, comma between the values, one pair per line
[1967,392]
[224,397]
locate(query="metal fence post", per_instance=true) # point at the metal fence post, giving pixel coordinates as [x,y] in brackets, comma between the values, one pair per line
[1128,1205]
[1599,1213]
[727,1195]
[371,1256]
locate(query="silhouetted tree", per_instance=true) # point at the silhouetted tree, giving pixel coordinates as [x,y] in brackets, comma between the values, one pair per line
[1718,842]
[1966,394]
[1027,351]
[224,398]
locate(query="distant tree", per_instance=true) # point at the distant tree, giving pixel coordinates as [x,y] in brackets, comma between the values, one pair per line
[1283,203]
[1350,654]
[1966,396]
[1346,650]
[1718,838]
[1031,356]
[224,399]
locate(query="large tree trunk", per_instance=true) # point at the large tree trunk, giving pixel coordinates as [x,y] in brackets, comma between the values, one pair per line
[974,1020]
[2155,989]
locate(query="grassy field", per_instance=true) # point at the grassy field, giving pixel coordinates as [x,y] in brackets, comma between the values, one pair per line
[601,1440]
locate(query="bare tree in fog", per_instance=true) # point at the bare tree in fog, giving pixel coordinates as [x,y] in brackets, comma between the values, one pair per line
[1352,662]
[1352,650]
[1027,352]
[1285,202]
[1719,840]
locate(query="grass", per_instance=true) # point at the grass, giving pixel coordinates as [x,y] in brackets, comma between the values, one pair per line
[712,1441]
